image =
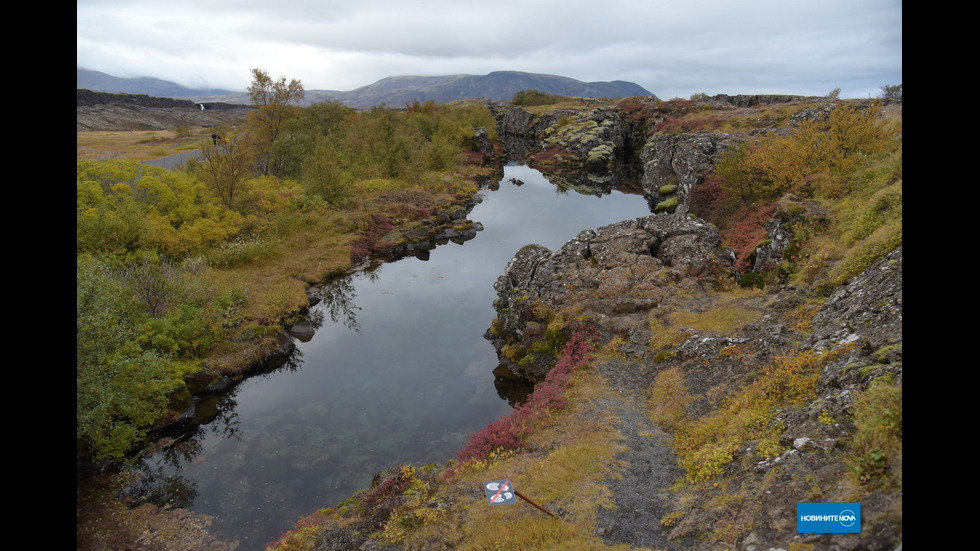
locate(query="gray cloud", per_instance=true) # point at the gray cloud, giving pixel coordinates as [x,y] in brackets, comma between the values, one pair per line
[673,49]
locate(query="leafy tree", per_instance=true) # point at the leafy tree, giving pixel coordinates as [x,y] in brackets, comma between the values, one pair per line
[323,175]
[850,131]
[226,167]
[273,101]
[324,122]
[324,118]
[156,284]
[733,170]
[891,93]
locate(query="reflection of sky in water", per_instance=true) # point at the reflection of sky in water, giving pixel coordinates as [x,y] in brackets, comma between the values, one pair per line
[409,386]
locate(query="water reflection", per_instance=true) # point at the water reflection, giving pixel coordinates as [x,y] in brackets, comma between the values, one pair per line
[515,392]
[337,299]
[595,182]
[158,480]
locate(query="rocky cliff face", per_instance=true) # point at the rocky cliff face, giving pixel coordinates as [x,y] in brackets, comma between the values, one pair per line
[593,139]
[604,141]
[673,164]
[618,269]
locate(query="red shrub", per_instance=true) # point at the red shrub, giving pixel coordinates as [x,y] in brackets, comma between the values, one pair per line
[708,199]
[509,432]
[378,226]
[476,158]
[637,111]
[746,232]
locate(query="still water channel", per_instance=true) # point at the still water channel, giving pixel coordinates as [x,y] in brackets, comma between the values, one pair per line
[397,372]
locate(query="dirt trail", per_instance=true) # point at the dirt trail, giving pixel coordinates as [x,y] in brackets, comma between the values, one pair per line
[641,493]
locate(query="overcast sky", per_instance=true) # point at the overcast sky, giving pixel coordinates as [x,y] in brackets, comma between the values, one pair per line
[673,48]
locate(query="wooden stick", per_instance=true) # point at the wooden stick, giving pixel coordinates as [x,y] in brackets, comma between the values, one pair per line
[525,498]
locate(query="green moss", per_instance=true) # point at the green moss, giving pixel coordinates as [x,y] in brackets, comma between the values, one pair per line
[667,205]
[526,360]
[513,352]
[888,354]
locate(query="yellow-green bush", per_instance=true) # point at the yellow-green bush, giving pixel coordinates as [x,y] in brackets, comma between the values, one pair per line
[779,162]
[876,449]
[707,444]
[668,398]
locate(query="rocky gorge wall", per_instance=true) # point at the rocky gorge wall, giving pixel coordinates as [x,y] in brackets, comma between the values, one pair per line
[622,276]
[599,148]
[605,139]
[619,269]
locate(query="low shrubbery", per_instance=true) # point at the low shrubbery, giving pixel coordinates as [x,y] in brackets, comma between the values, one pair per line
[529,98]
[248,216]
[707,444]
[746,232]
[849,158]
[140,329]
[876,454]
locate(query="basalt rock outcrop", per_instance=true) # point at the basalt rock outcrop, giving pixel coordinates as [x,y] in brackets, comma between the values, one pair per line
[606,147]
[116,112]
[791,213]
[615,274]
[615,270]
[576,132]
[589,150]
[590,138]
[673,164]
[752,100]
[515,130]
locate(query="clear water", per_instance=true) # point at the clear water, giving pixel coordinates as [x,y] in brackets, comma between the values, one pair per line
[397,372]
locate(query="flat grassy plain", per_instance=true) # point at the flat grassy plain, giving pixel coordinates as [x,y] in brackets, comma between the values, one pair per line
[137,145]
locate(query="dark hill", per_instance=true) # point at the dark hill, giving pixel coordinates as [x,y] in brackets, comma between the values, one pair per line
[101,82]
[391,91]
[497,86]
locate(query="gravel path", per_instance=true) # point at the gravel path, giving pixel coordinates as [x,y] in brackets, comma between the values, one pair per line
[640,494]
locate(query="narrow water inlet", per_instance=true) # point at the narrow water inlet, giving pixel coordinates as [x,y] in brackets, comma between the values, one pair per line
[396,371]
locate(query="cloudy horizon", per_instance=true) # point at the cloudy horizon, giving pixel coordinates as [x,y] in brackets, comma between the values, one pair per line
[671,49]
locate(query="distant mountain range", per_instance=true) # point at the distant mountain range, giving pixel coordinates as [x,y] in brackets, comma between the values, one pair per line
[101,82]
[391,91]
